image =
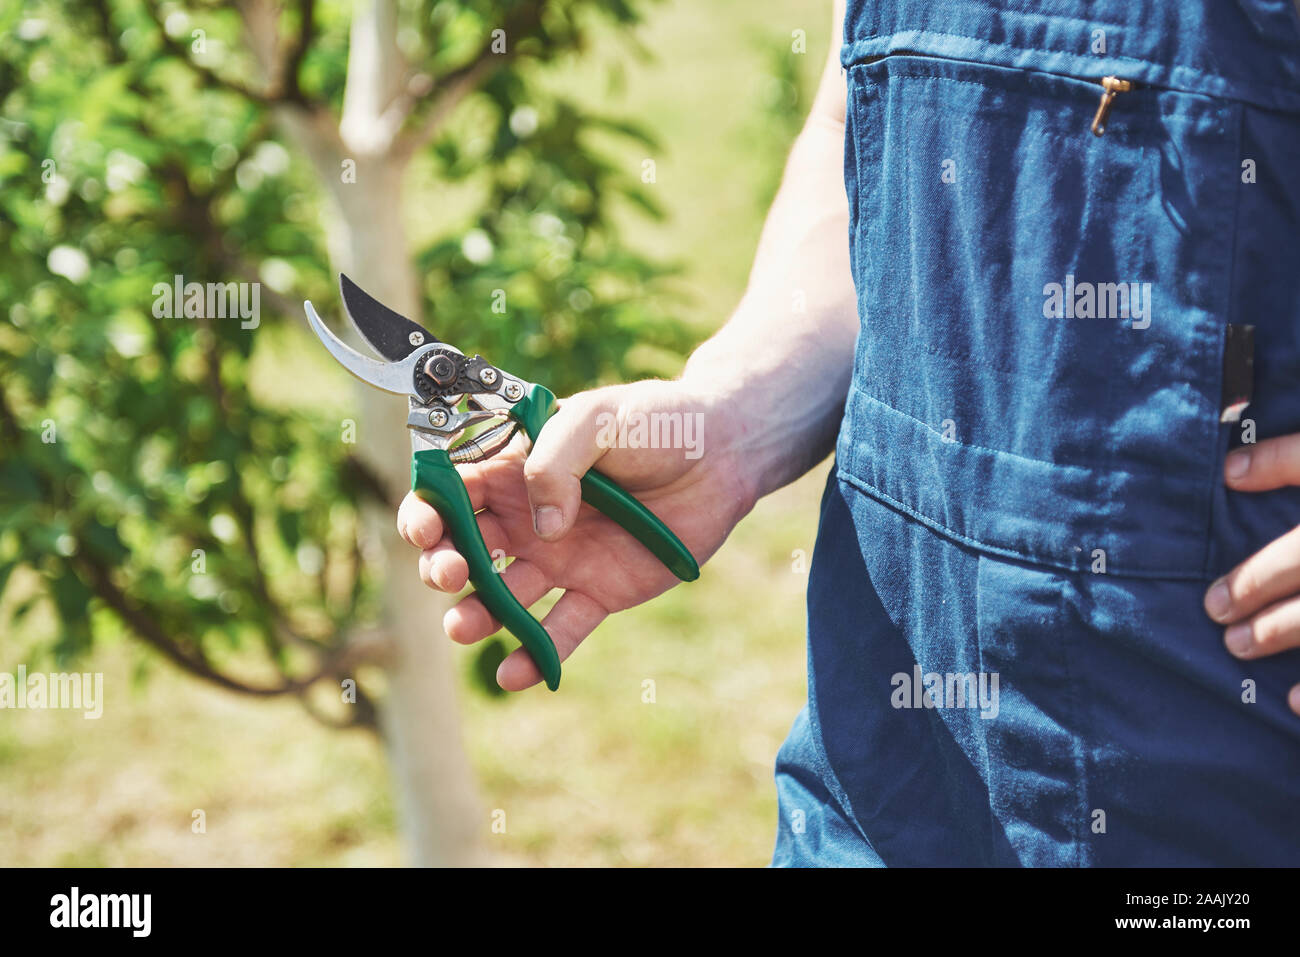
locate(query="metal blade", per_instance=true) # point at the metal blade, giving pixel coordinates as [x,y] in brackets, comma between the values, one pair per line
[396,377]
[390,334]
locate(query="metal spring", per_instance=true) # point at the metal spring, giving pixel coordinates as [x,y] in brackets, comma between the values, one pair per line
[484,446]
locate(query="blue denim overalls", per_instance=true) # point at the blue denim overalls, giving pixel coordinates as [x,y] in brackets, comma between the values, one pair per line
[1008,660]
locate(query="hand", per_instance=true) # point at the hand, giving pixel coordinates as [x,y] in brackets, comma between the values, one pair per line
[532,511]
[1260,599]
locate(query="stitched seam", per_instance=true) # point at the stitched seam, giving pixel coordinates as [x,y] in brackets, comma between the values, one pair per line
[1162,474]
[1220,445]
[995,826]
[1032,16]
[847,58]
[1037,561]
[1134,103]
[1016,47]
[1081,848]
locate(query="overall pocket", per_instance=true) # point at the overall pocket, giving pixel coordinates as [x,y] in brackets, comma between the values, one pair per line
[1043,310]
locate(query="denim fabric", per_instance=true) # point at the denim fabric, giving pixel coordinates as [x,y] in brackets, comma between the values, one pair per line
[1033,492]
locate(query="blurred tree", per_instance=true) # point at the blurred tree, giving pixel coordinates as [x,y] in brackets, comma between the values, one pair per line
[783,96]
[149,484]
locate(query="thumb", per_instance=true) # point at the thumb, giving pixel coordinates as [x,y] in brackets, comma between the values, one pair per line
[1266,465]
[565,448]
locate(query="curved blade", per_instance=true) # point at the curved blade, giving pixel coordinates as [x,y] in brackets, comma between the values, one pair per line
[396,377]
[390,334]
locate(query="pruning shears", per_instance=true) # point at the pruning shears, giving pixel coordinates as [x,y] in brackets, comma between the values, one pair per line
[450,394]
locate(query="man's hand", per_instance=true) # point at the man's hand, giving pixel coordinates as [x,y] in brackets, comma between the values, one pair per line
[531,510]
[771,384]
[1259,600]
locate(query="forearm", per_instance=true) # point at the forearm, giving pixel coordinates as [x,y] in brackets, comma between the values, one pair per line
[779,370]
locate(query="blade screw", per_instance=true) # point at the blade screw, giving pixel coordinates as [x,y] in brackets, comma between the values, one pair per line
[487,375]
[416,338]
[438,418]
[514,391]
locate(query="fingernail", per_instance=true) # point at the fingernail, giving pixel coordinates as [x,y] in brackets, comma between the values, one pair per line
[1293,699]
[547,520]
[1239,639]
[1237,465]
[1218,601]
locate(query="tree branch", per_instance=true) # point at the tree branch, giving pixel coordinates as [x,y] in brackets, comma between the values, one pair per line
[453,88]
[362,713]
[210,77]
[149,631]
[292,62]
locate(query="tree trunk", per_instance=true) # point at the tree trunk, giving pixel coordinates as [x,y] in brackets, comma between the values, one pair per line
[419,715]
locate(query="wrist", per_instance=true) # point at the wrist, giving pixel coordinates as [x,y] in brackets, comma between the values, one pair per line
[737,449]
[776,398]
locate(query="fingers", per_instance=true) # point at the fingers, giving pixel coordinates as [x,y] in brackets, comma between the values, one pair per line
[1260,599]
[1276,628]
[443,567]
[1264,465]
[563,452]
[574,617]
[469,621]
[417,521]
[1270,574]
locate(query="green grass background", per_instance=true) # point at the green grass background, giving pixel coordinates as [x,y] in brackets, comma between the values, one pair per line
[593,775]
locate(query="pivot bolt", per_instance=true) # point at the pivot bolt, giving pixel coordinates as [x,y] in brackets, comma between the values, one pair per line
[440,369]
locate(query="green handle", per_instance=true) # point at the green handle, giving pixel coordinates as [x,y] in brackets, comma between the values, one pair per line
[607,496]
[435,479]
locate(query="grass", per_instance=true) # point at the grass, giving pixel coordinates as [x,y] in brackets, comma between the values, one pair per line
[596,775]
[600,776]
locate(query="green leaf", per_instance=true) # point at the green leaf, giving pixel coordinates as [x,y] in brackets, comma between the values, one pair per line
[486,661]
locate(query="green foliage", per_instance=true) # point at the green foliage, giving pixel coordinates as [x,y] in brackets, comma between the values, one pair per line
[142,475]
[574,300]
[784,102]
[486,663]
